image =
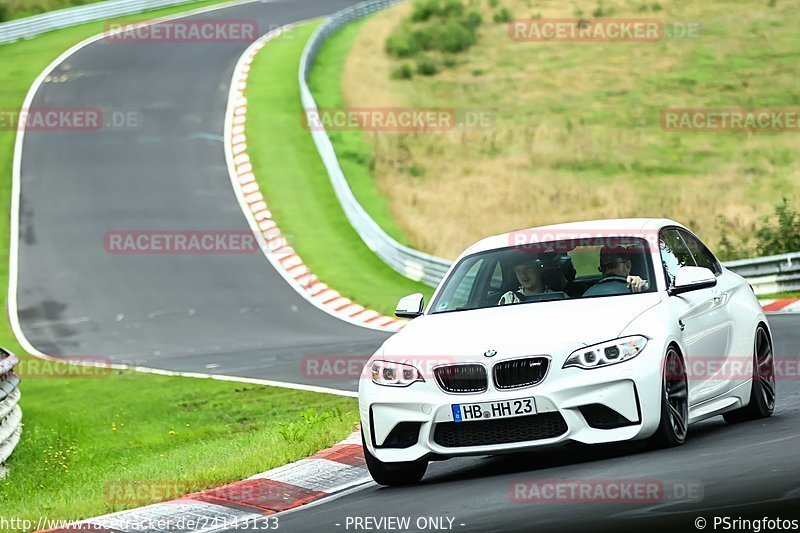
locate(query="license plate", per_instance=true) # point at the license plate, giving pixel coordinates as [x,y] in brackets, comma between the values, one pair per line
[466,412]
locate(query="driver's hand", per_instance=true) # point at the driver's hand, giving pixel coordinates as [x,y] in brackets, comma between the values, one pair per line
[636,284]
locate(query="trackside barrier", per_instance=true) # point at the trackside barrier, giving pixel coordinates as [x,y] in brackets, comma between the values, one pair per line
[26,28]
[766,274]
[10,412]
[411,263]
[771,274]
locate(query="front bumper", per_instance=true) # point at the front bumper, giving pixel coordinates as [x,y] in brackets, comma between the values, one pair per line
[566,402]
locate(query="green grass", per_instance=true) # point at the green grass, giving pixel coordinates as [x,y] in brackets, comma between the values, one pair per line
[16,9]
[780,295]
[298,190]
[196,432]
[84,436]
[355,154]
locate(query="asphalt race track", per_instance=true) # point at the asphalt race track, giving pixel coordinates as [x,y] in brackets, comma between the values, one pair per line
[750,469]
[234,314]
[218,313]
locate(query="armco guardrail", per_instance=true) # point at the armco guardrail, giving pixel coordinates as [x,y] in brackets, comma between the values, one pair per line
[26,28]
[766,274]
[411,263]
[10,412]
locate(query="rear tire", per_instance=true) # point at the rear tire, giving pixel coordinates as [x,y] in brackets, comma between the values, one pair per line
[762,393]
[674,422]
[392,474]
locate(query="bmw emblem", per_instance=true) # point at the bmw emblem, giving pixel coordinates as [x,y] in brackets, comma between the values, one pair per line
[490,353]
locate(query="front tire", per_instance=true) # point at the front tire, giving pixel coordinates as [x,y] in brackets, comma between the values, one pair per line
[762,392]
[392,474]
[674,422]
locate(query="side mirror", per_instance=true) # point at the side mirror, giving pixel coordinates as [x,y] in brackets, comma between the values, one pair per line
[410,306]
[691,278]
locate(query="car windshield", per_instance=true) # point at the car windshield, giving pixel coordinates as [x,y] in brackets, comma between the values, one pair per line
[557,270]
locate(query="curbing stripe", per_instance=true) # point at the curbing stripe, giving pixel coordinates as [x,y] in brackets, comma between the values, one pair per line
[256,209]
[785,305]
[326,473]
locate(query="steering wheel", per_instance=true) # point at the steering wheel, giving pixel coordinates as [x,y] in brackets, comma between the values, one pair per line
[618,279]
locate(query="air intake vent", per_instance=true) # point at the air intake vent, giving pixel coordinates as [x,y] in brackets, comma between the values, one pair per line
[499,431]
[517,373]
[599,416]
[461,379]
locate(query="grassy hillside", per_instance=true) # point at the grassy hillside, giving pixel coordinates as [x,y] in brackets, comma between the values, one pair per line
[577,126]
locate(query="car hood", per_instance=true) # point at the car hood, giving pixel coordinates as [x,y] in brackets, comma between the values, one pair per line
[523,329]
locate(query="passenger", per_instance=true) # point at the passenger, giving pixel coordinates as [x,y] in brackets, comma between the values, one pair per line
[615,265]
[529,275]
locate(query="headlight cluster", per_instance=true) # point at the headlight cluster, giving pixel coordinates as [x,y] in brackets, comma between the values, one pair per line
[394,374]
[607,353]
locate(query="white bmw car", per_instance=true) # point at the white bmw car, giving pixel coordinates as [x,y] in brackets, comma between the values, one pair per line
[591,332]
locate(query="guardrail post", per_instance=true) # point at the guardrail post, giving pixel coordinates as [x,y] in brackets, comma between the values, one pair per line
[10,412]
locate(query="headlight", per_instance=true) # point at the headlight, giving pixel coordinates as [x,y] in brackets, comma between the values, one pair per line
[394,374]
[607,353]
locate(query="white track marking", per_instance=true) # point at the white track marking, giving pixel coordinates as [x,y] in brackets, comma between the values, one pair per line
[13,271]
[286,262]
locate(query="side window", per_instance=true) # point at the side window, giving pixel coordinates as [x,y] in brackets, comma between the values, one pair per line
[496,282]
[674,254]
[702,255]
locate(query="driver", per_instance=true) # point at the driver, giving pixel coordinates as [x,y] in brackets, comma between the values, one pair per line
[615,265]
[529,275]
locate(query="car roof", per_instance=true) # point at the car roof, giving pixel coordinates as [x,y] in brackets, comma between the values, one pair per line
[619,227]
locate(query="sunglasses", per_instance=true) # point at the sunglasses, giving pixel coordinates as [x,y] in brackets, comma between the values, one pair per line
[609,266]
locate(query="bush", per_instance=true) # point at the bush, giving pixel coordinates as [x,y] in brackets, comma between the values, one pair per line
[402,43]
[424,9]
[782,238]
[452,8]
[494,3]
[504,15]
[426,66]
[427,38]
[402,72]
[440,27]
[456,37]
[771,239]
[472,20]
[3,12]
